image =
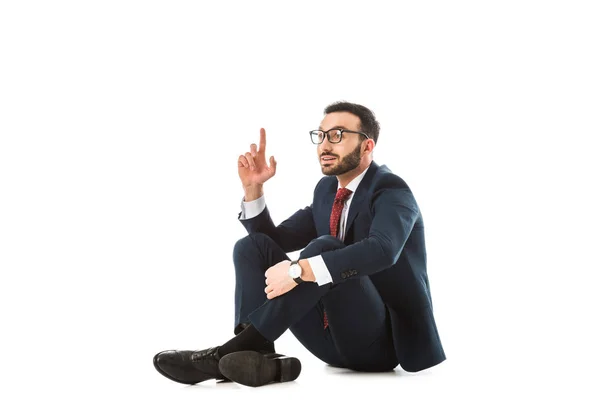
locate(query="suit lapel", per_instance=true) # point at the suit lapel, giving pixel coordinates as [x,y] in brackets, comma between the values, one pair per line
[360,195]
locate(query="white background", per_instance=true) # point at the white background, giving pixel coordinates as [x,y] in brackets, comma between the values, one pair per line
[121,123]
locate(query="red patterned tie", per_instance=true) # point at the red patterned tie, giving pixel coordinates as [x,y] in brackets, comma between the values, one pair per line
[334,223]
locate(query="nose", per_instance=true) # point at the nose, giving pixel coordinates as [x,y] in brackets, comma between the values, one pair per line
[325,146]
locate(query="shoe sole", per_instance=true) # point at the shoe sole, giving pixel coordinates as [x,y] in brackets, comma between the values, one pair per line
[205,376]
[254,369]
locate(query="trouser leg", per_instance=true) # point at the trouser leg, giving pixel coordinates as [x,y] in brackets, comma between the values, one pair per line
[252,256]
[358,335]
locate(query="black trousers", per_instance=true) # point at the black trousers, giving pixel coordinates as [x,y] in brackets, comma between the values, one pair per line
[359,335]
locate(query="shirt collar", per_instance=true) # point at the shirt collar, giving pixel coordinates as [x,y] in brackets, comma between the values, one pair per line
[353,185]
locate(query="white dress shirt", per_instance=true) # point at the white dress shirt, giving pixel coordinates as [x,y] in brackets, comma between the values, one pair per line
[252,208]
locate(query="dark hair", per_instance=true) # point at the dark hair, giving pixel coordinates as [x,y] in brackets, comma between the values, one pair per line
[368,123]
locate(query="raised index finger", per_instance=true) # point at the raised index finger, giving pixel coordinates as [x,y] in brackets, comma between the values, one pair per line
[263,140]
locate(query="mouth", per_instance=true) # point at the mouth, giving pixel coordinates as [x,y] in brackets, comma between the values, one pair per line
[327,159]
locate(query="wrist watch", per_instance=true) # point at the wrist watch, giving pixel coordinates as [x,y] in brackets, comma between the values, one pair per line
[295,271]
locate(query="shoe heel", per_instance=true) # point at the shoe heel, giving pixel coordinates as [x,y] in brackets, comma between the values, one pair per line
[289,368]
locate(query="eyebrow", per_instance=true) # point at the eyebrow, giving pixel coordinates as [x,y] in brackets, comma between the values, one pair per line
[335,127]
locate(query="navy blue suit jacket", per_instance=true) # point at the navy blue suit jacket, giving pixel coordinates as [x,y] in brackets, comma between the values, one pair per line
[384,241]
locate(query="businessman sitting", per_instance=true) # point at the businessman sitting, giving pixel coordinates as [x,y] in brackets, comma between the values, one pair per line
[358,295]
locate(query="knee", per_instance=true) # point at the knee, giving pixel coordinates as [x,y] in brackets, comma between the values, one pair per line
[322,244]
[325,243]
[246,243]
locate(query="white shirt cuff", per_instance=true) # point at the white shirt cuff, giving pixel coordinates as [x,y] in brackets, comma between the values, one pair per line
[251,209]
[319,269]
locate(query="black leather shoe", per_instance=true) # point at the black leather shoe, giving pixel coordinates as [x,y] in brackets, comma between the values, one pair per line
[254,369]
[187,366]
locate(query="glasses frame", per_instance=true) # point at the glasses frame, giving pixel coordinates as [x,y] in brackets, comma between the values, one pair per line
[326,134]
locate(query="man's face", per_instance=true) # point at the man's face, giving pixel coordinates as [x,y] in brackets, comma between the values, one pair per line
[339,158]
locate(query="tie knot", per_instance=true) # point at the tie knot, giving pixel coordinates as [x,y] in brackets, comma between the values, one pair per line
[342,194]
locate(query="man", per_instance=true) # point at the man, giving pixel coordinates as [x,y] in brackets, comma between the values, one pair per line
[358,296]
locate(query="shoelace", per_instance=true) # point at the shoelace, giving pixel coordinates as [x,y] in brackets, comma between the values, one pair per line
[205,355]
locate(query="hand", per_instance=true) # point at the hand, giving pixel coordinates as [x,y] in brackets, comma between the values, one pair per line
[252,166]
[278,280]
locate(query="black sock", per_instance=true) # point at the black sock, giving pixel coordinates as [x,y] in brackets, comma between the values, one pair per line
[248,339]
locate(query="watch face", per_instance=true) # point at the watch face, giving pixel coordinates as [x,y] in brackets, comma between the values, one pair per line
[295,271]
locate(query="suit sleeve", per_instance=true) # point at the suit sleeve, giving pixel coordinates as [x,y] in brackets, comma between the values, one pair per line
[292,234]
[394,213]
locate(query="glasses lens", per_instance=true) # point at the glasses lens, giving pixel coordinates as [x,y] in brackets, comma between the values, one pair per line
[335,135]
[316,137]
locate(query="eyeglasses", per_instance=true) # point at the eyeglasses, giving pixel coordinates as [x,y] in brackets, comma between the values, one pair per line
[333,135]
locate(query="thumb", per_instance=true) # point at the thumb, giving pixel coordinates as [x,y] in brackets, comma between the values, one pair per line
[273,164]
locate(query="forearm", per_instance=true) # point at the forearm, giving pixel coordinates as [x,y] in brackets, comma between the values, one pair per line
[291,235]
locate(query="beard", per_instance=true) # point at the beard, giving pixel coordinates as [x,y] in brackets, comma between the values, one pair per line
[348,163]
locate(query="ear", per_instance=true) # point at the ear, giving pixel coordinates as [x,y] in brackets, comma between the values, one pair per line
[369,145]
